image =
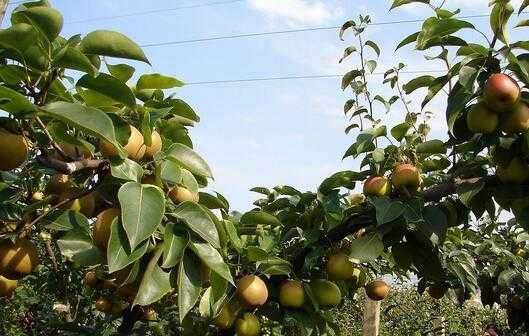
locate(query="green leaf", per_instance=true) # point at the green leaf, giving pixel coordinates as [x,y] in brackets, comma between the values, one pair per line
[371,66]
[416,83]
[142,209]
[113,44]
[410,39]
[157,81]
[431,147]
[499,19]
[66,220]
[14,102]
[119,253]
[347,52]
[109,86]
[349,77]
[373,46]
[90,120]
[127,170]
[387,210]
[522,23]
[189,284]
[174,244]
[123,72]
[434,225]
[211,257]
[398,3]
[73,58]
[435,28]
[154,284]
[233,236]
[212,202]
[400,131]
[12,74]
[77,246]
[198,220]
[467,191]
[47,20]
[256,217]
[346,26]
[367,248]
[18,37]
[346,179]
[435,86]
[188,159]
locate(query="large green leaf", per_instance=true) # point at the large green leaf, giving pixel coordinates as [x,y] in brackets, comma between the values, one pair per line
[66,220]
[387,210]
[47,20]
[123,72]
[188,159]
[256,217]
[109,86]
[127,169]
[119,253]
[499,19]
[416,83]
[198,220]
[74,59]
[154,284]
[434,225]
[211,257]
[174,244]
[142,209]
[367,248]
[77,246]
[113,44]
[435,28]
[14,102]
[18,37]
[157,81]
[88,119]
[189,284]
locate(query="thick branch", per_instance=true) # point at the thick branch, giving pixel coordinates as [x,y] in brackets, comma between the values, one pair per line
[70,167]
[357,221]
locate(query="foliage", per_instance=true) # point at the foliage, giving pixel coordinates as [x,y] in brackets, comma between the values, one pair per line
[99,171]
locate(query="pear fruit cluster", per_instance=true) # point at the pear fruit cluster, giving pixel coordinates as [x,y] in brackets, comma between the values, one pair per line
[405,176]
[501,110]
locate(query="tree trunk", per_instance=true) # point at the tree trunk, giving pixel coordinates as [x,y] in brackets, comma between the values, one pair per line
[3,6]
[371,318]
[439,325]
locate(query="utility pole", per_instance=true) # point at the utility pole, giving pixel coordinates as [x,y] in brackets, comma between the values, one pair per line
[371,318]
[3,6]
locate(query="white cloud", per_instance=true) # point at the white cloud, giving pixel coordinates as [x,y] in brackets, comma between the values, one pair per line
[294,11]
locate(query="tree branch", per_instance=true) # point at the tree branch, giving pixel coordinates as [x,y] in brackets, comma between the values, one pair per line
[70,167]
[357,221]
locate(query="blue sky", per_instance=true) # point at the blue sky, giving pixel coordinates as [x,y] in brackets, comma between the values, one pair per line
[264,133]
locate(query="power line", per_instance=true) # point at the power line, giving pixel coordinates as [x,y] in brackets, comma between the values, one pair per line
[289,31]
[154,11]
[280,78]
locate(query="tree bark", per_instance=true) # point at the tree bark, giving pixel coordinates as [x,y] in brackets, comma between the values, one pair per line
[371,324]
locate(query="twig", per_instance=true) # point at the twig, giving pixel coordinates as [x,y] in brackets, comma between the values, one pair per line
[70,167]
[49,249]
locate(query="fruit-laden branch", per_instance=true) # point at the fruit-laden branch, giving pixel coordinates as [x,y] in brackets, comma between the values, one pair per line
[100,173]
[357,221]
[70,167]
